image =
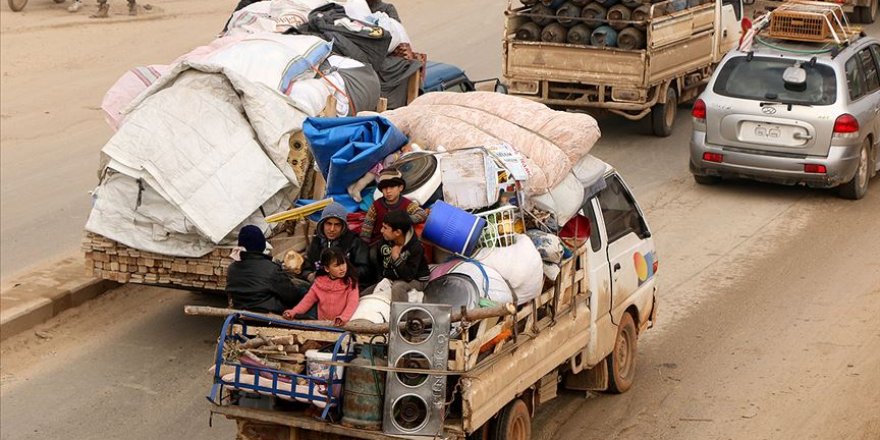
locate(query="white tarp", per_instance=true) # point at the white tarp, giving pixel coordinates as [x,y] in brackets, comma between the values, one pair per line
[209,149]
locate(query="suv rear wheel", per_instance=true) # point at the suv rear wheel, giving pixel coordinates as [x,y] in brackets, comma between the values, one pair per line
[856,188]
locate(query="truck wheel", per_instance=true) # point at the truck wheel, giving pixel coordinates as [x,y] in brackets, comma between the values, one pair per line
[17,5]
[867,14]
[514,423]
[622,360]
[663,114]
[856,188]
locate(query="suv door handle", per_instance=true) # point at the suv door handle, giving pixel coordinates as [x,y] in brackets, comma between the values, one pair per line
[616,267]
[802,137]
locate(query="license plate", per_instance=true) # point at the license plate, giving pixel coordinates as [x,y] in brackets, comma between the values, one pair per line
[772,134]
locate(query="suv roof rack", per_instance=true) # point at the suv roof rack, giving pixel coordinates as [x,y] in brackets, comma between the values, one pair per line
[818,23]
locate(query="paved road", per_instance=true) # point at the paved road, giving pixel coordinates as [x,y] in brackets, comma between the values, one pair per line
[768,326]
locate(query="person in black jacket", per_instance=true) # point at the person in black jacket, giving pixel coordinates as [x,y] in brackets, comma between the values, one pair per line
[258,284]
[333,232]
[399,257]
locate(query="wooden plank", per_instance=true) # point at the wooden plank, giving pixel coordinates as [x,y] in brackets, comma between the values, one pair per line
[297,420]
[412,87]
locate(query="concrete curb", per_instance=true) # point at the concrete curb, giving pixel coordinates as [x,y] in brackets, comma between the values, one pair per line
[35,300]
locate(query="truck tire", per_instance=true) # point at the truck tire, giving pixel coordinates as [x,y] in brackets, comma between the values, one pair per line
[663,114]
[17,5]
[514,422]
[866,14]
[622,360]
[856,188]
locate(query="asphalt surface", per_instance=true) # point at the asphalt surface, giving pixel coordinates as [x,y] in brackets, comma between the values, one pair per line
[770,295]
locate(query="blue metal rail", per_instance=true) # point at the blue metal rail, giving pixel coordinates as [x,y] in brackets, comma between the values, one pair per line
[342,352]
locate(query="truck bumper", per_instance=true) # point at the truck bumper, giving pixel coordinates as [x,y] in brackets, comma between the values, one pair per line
[840,165]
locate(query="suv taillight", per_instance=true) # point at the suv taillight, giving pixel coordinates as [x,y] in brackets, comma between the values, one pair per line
[846,125]
[699,110]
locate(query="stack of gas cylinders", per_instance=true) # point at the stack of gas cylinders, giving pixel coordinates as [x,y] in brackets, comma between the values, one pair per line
[600,23]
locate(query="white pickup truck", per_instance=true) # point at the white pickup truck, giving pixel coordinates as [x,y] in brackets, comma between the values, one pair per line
[581,332]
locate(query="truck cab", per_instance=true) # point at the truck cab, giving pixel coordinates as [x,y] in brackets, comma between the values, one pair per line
[623,265]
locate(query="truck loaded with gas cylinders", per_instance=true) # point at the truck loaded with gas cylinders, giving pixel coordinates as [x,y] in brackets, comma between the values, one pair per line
[633,59]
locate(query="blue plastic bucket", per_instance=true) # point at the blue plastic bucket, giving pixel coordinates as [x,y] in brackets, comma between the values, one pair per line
[453,229]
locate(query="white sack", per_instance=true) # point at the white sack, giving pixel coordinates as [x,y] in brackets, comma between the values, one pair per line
[589,170]
[519,264]
[275,60]
[397,31]
[252,19]
[548,245]
[292,13]
[498,290]
[564,200]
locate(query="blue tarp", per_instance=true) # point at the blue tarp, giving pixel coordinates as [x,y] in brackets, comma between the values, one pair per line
[346,148]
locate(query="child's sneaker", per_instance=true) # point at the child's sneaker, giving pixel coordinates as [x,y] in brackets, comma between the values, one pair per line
[75,6]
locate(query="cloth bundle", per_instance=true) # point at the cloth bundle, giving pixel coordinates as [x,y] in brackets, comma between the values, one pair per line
[552,142]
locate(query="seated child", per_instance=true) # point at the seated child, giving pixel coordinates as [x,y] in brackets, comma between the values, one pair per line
[399,257]
[391,184]
[335,290]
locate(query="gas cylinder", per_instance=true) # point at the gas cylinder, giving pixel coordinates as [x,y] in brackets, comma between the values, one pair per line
[529,31]
[364,393]
[579,34]
[553,33]
[617,16]
[566,14]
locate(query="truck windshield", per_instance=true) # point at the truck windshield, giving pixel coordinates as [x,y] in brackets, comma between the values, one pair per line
[761,79]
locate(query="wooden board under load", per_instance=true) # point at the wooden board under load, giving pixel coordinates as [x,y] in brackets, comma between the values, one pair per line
[111,260]
[600,23]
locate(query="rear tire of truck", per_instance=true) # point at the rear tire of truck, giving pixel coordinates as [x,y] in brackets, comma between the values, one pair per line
[663,114]
[856,188]
[866,14]
[622,360]
[514,422]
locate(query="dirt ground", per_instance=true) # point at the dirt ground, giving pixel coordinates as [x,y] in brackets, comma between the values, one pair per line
[769,324]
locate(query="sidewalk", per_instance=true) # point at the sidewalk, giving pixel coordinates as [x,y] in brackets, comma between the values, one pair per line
[40,295]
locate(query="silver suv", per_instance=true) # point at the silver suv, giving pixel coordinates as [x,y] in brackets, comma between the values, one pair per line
[792,114]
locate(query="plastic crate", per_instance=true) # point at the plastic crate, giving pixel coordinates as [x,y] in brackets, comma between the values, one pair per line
[501,227]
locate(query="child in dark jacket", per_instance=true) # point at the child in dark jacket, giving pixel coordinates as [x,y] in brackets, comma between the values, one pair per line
[335,290]
[392,185]
[400,257]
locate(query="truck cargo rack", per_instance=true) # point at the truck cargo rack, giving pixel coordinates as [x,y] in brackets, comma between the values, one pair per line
[272,382]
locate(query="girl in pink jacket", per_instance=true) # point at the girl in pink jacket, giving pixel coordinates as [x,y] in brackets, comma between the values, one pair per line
[335,290]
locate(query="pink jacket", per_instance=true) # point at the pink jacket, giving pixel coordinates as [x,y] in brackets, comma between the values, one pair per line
[334,298]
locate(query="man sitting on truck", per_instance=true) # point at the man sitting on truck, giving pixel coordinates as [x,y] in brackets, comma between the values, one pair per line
[333,232]
[399,257]
[258,284]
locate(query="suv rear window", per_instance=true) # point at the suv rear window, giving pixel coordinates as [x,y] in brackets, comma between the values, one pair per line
[761,79]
